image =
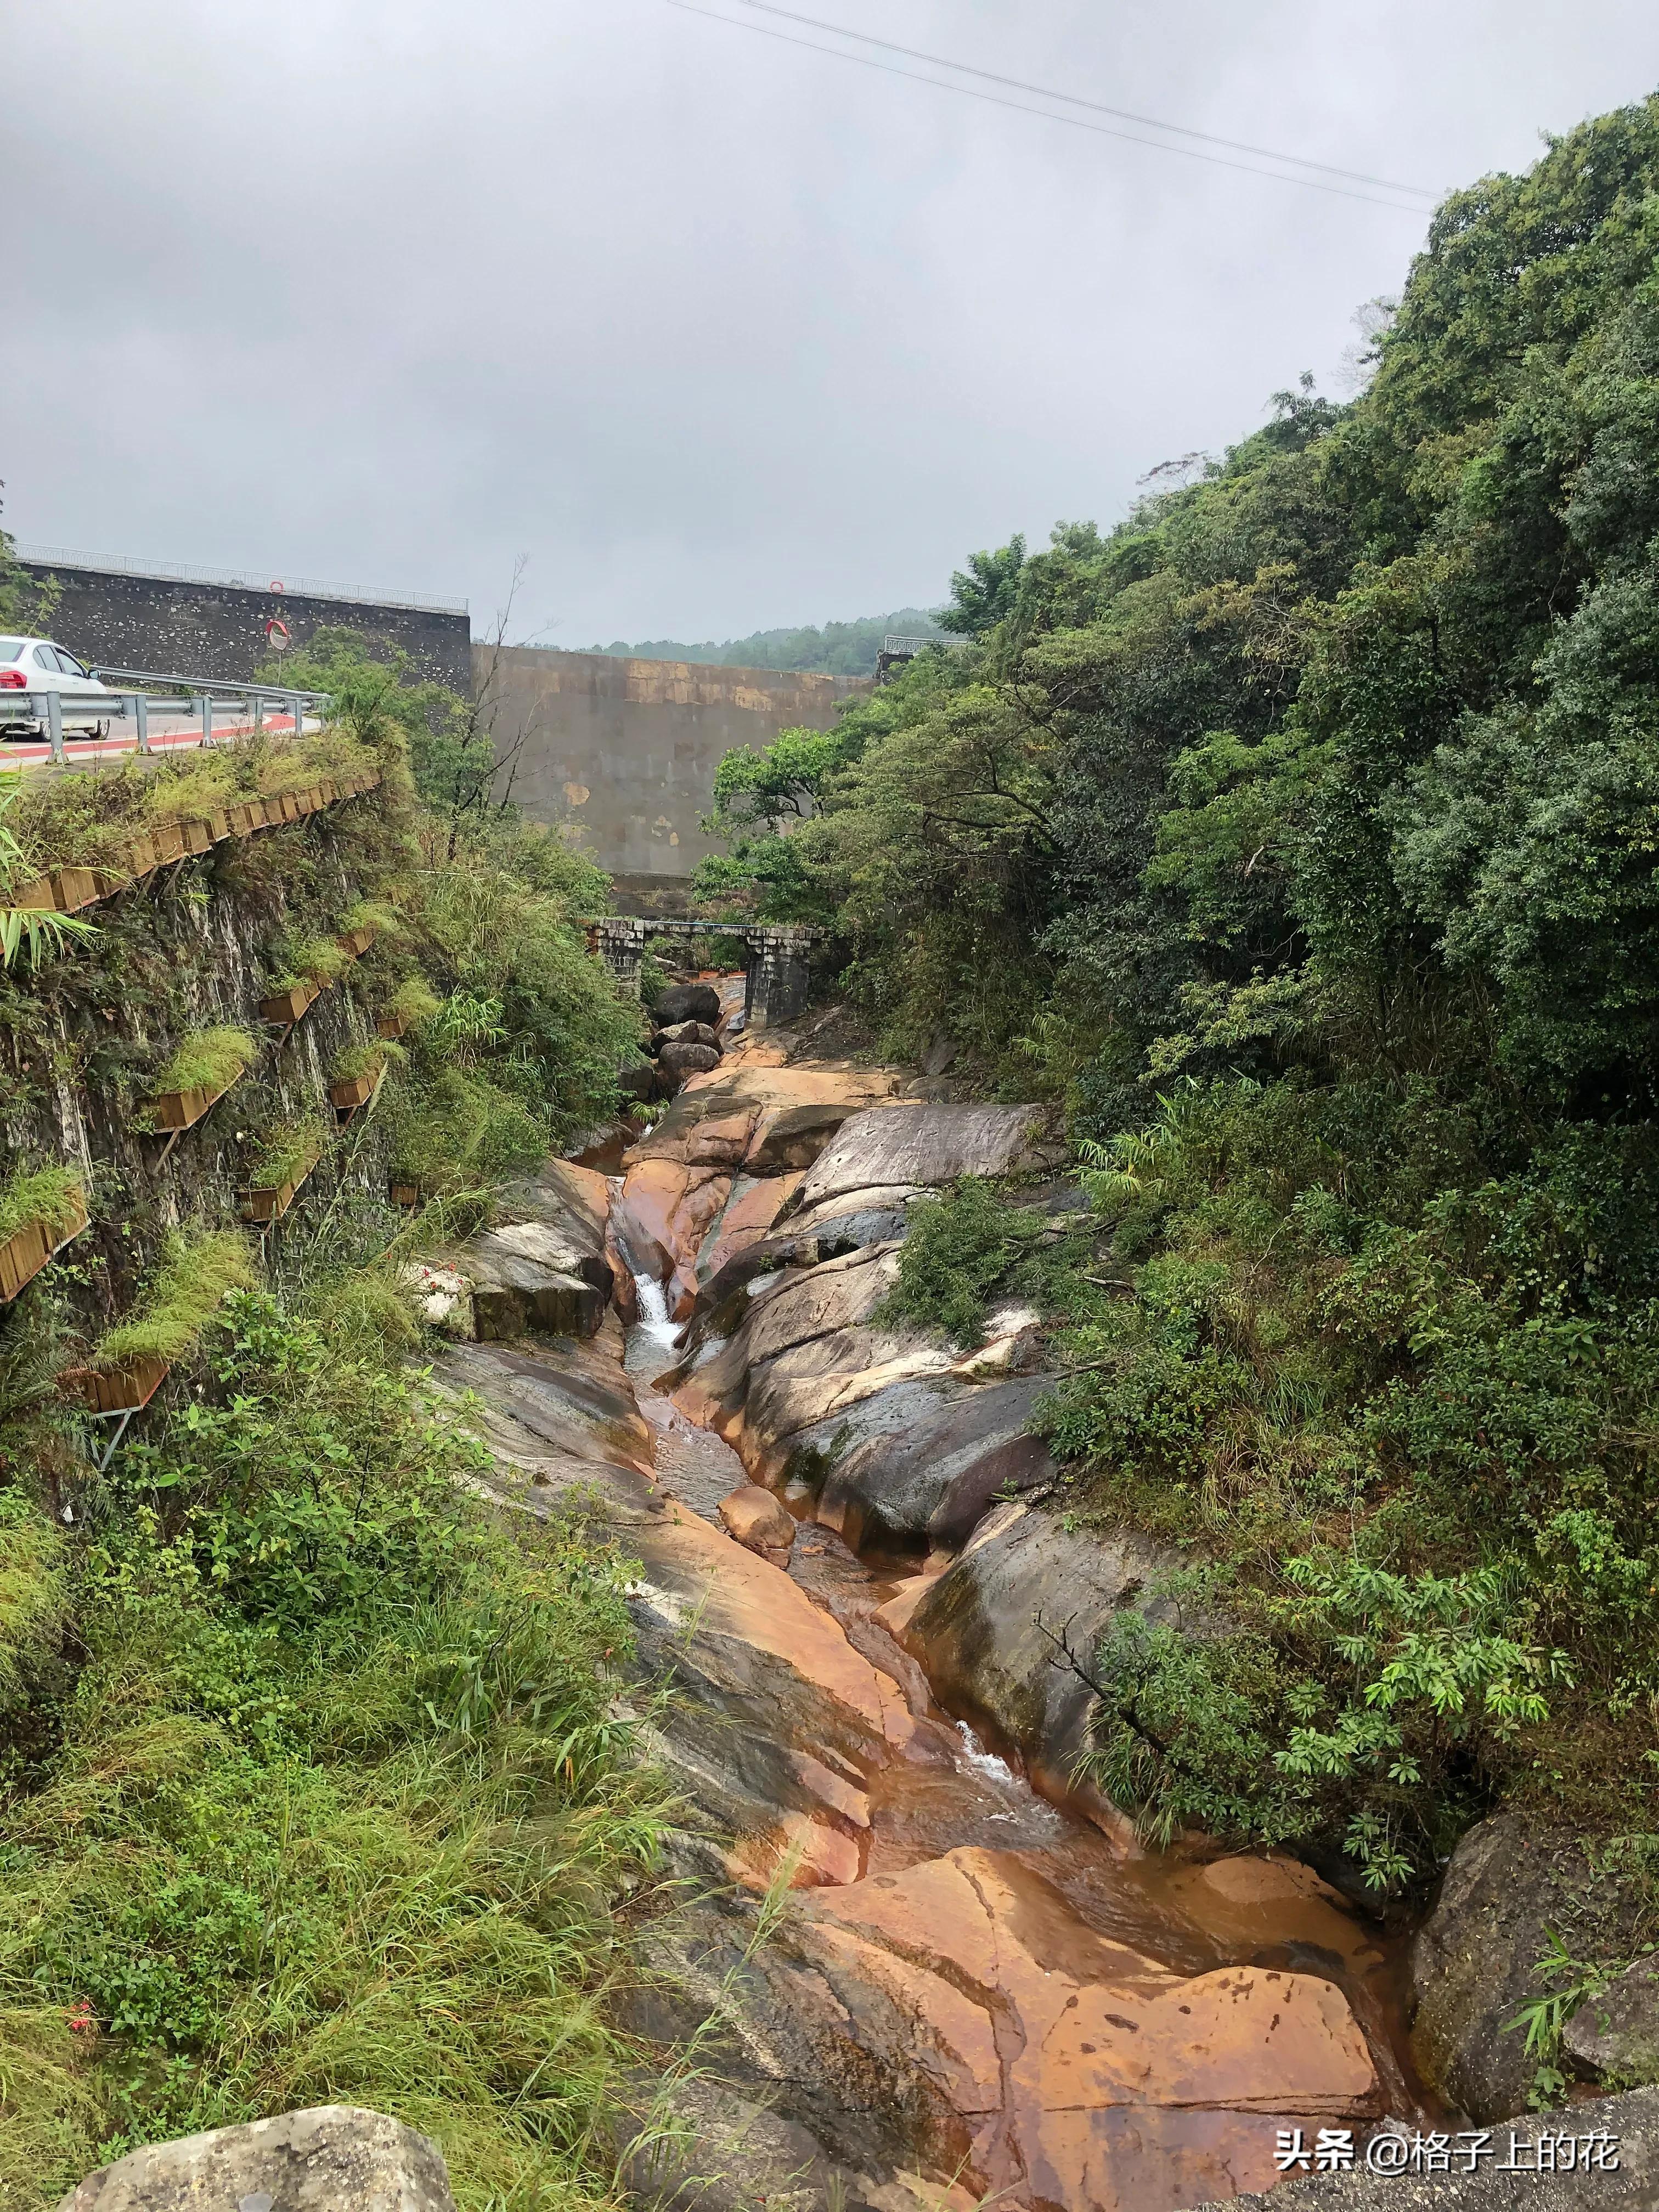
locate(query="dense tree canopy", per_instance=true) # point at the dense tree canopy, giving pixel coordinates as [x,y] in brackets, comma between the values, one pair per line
[1360,728]
[1300,833]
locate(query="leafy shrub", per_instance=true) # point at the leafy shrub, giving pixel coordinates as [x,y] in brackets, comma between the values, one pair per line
[956,1250]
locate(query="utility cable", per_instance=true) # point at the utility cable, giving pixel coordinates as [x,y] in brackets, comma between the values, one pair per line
[1077,100]
[1073,122]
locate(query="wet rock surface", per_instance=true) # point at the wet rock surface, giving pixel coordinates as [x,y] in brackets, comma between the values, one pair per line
[1631,2185]
[991,1628]
[967,1990]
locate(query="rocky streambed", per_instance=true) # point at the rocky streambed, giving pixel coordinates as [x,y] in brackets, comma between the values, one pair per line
[936,1971]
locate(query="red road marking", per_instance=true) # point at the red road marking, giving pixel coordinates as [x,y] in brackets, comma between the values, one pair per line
[31,754]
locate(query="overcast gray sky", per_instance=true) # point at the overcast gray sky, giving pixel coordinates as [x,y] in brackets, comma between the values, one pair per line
[720,332]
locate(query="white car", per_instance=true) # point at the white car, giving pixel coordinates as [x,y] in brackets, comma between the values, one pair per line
[35,663]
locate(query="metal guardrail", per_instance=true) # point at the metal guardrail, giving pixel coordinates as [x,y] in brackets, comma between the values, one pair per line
[137,707]
[220,687]
[312,587]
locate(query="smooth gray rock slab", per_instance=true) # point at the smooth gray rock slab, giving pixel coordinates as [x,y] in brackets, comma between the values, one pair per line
[1633,2118]
[519,1283]
[933,1483]
[976,1633]
[543,1265]
[330,2158]
[795,1138]
[561,1199]
[915,1145]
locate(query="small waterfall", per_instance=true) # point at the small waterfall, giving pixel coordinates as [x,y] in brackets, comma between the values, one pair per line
[654,1322]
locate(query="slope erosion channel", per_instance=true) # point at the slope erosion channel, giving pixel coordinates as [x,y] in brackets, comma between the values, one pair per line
[939,1972]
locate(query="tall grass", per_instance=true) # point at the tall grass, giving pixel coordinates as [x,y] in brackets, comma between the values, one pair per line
[333,1807]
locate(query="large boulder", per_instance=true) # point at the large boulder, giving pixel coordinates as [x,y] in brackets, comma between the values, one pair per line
[575,1201]
[519,1283]
[793,1136]
[545,1265]
[686,1033]
[329,2158]
[1512,1882]
[985,1632]
[932,1484]
[924,1145]
[758,1521]
[683,1059]
[687,1002]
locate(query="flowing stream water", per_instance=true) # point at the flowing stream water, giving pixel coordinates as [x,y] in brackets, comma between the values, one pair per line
[1180,1907]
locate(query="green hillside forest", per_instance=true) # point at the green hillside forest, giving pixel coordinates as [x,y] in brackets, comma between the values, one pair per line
[840,648]
[1297,834]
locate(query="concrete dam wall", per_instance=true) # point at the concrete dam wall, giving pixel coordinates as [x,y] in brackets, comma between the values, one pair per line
[621,754]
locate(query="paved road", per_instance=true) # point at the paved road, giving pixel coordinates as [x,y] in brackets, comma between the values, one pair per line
[167,733]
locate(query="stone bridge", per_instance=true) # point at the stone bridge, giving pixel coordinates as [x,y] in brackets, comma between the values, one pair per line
[777,976]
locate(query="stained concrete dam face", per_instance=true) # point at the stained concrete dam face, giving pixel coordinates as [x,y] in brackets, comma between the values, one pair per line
[621,755]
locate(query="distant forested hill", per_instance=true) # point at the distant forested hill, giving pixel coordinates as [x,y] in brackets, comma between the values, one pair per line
[847,648]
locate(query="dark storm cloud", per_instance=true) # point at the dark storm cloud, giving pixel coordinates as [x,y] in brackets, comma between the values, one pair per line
[719,332]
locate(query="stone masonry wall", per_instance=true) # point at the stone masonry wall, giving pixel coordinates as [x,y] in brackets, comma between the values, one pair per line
[184,950]
[121,621]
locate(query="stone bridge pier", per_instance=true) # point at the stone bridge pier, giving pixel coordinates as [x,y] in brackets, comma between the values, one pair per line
[776,970]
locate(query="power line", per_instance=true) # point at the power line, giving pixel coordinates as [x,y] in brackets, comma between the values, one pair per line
[1072,122]
[1076,100]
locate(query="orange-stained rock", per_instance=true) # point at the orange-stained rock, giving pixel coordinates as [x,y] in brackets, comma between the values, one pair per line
[651,1190]
[666,1208]
[1086,2072]
[720,1140]
[743,1597]
[1255,1904]
[757,1520]
[750,1213]
[821,1857]
[895,1615]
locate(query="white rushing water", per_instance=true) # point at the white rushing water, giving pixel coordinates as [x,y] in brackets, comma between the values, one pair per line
[653,1322]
